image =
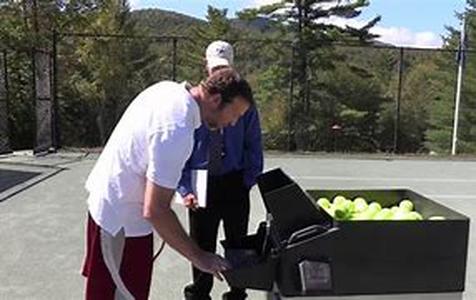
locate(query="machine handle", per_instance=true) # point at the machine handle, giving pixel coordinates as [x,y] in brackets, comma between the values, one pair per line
[311,231]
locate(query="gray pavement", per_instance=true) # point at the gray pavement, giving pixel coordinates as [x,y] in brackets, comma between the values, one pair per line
[42,218]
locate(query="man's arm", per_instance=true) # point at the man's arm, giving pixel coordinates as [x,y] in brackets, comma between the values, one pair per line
[198,160]
[185,184]
[253,151]
[185,187]
[158,212]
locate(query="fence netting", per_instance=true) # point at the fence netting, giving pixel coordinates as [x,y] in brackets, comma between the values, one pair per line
[332,98]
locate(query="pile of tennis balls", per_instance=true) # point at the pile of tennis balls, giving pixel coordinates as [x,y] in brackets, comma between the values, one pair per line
[344,209]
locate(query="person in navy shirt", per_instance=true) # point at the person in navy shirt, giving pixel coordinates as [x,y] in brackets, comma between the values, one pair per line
[240,161]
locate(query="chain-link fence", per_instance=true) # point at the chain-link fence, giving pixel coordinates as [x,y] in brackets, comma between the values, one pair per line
[339,98]
[386,99]
[98,76]
[4,119]
[26,111]
[18,126]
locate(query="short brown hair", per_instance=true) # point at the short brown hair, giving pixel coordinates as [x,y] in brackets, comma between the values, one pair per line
[229,84]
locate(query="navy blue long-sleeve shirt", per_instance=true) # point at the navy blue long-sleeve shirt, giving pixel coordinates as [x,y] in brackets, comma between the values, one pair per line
[242,151]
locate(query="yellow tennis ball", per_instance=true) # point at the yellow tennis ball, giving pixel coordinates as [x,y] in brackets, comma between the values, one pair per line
[324,202]
[406,205]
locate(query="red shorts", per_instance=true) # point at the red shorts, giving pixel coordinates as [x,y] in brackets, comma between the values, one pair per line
[116,264]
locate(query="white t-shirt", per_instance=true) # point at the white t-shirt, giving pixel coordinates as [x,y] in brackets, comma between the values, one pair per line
[153,140]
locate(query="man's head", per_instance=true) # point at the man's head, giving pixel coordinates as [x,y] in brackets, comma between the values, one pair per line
[219,54]
[225,98]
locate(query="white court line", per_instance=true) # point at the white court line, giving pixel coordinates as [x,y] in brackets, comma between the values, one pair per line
[451,196]
[385,179]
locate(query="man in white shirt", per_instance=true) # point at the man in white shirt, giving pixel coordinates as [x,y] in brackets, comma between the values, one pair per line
[134,180]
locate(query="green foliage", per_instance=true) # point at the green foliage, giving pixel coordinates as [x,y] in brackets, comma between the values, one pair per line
[161,22]
[304,22]
[343,97]
[439,133]
[271,85]
[217,27]
[20,100]
[99,80]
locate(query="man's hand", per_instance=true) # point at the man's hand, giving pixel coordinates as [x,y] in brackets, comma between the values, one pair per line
[190,201]
[211,263]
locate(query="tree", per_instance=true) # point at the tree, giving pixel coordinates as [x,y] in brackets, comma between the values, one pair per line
[25,27]
[305,22]
[439,133]
[102,74]
[192,57]
[467,131]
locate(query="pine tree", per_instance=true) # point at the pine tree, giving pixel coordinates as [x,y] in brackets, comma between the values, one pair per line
[439,133]
[25,27]
[305,23]
[102,74]
[192,54]
[467,131]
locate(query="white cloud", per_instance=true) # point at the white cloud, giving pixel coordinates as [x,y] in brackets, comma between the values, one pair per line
[401,36]
[257,3]
[135,4]
[323,5]
[398,36]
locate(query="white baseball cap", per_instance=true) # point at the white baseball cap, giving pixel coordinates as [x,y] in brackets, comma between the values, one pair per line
[219,53]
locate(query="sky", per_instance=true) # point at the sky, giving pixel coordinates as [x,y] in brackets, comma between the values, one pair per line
[412,23]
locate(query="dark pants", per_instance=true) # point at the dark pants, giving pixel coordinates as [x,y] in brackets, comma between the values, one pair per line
[228,201]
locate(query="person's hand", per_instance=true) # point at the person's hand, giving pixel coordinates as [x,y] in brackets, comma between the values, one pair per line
[211,263]
[190,201]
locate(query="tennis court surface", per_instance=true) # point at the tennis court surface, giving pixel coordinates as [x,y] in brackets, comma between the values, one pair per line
[43,211]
